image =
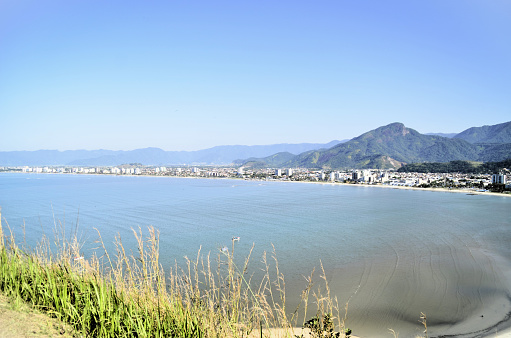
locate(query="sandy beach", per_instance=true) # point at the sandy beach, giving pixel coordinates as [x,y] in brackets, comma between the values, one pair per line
[386,186]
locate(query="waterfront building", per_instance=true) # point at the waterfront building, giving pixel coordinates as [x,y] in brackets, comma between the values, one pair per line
[355,176]
[498,179]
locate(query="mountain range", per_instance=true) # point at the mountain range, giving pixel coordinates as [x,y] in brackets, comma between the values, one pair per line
[388,146]
[393,145]
[220,155]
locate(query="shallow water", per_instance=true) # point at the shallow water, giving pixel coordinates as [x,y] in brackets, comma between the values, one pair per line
[392,253]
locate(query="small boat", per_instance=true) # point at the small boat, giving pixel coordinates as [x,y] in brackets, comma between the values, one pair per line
[236,239]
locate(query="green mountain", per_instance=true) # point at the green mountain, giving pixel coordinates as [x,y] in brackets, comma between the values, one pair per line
[496,134]
[494,152]
[395,143]
[392,146]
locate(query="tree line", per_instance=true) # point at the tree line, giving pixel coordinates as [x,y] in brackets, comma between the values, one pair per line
[464,167]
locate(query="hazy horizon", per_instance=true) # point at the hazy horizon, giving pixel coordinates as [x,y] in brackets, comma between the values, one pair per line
[182,77]
[208,147]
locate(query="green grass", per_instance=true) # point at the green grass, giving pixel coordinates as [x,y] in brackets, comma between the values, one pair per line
[117,295]
[92,303]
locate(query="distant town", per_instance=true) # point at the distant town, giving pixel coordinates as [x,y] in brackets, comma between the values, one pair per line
[478,182]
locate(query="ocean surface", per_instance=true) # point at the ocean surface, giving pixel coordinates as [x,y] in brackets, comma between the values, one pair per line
[392,253]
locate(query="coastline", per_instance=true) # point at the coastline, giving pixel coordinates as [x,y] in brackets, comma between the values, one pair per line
[458,191]
[445,190]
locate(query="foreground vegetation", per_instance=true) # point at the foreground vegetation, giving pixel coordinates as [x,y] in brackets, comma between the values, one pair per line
[127,296]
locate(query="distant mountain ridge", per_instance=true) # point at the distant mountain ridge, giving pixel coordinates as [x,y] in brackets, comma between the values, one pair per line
[496,134]
[448,135]
[393,145]
[388,146]
[220,155]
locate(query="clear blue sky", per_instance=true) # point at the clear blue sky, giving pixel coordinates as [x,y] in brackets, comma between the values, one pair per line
[188,75]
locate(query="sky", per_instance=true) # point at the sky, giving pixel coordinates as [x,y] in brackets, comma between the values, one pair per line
[189,75]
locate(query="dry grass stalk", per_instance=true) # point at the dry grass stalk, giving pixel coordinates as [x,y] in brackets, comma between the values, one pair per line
[208,297]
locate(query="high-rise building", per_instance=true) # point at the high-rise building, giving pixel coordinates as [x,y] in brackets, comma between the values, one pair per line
[498,178]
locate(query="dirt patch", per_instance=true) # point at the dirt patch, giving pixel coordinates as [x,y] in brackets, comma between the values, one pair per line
[18,319]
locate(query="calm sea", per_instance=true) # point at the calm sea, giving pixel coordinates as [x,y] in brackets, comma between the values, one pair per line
[392,253]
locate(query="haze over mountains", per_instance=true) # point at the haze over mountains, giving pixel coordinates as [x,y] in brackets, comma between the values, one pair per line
[388,146]
[220,155]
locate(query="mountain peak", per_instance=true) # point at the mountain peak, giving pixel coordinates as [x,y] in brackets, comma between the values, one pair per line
[386,133]
[397,128]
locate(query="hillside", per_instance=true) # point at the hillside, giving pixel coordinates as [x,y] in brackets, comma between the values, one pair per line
[395,142]
[496,134]
[393,145]
[465,167]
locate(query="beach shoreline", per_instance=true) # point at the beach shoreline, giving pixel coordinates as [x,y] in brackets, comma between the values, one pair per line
[386,186]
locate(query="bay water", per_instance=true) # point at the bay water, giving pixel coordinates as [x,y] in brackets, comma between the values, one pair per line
[390,253]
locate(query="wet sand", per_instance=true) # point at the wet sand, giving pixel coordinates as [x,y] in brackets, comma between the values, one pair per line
[462,291]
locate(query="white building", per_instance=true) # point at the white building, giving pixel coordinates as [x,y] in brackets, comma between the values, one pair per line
[498,179]
[289,172]
[367,176]
[278,172]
